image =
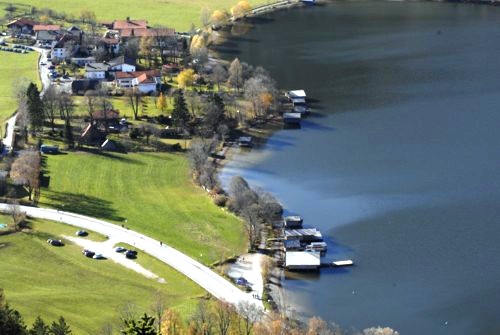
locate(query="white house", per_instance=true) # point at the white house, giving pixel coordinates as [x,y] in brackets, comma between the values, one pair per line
[96,70]
[145,81]
[122,64]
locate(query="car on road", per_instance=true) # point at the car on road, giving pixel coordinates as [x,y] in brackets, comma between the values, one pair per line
[52,67]
[120,249]
[131,254]
[81,233]
[98,256]
[43,63]
[88,253]
[55,243]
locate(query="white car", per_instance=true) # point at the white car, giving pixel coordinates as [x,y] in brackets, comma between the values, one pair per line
[98,256]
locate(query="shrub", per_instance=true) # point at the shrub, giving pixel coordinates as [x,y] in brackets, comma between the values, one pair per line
[220,200]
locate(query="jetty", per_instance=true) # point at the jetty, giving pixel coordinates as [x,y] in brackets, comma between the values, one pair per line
[337,264]
[292,119]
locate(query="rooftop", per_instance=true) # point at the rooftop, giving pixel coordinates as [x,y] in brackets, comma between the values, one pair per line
[130,24]
[302,259]
[47,27]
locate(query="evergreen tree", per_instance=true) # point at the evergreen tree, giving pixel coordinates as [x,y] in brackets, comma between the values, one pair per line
[144,326]
[11,322]
[60,327]
[39,327]
[180,114]
[68,135]
[35,108]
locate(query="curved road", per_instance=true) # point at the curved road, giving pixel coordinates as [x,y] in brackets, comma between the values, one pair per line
[197,272]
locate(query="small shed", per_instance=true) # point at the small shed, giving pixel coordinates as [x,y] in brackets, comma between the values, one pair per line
[289,245]
[291,118]
[304,235]
[292,222]
[245,141]
[302,260]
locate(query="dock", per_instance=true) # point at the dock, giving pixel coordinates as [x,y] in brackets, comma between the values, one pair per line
[302,260]
[337,264]
[292,119]
[292,222]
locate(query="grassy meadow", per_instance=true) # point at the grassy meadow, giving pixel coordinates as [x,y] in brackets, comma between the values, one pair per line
[40,279]
[148,192]
[177,14]
[14,66]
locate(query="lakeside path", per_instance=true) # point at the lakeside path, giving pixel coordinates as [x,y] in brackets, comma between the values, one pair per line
[215,284]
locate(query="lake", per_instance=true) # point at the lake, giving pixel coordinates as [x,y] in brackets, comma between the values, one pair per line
[399,163]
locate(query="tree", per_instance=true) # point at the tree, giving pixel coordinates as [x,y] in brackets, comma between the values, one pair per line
[241,8]
[218,17]
[161,102]
[250,314]
[202,321]
[66,108]
[50,104]
[90,101]
[252,223]
[158,308]
[18,216]
[214,115]
[180,114]
[143,326]
[11,322]
[171,323]
[131,48]
[10,9]
[148,130]
[224,315]
[135,100]
[235,74]
[205,16]
[26,171]
[39,327]
[60,327]
[219,75]
[35,108]
[185,78]
[146,49]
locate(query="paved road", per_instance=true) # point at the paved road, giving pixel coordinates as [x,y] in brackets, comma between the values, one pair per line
[197,272]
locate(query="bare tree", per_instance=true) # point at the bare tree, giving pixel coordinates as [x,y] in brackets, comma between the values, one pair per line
[236,74]
[198,155]
[135,100]
[158,307]
[26,171]
[252,224]
[224,314]
[250,314]
[194,102]
[90,101]
[203,319]
[50,105]
[18,216]
[131,48]
[219,75]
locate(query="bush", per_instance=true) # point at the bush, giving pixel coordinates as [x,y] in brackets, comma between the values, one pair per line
[176,147]
[135,133]
[220,200]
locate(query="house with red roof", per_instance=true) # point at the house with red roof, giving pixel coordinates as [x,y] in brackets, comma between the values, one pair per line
[22,26]
[145,81]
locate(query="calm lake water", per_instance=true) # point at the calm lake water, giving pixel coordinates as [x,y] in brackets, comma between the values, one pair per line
[399,165]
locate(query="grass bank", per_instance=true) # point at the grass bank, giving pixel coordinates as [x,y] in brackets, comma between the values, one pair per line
[14,66]
[51,281]
[177,14]
[148,192]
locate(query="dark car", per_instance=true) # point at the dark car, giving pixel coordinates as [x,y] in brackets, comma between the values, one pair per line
[88,253]
[131,254]
[120,249]
[52,67]
[81,233]
[55,243]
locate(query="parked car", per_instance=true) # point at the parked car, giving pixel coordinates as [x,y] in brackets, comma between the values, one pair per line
[98,256]
[43,63]
[120,249]
[81,233]
[131,254]
[52,67]
[88,253]
[55,243]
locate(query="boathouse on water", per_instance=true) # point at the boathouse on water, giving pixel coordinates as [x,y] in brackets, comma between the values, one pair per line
[302,260]
[292,222]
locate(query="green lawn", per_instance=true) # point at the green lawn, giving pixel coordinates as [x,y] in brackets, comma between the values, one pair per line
[148,192]
[39,279]
[179,14]
[14,66]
